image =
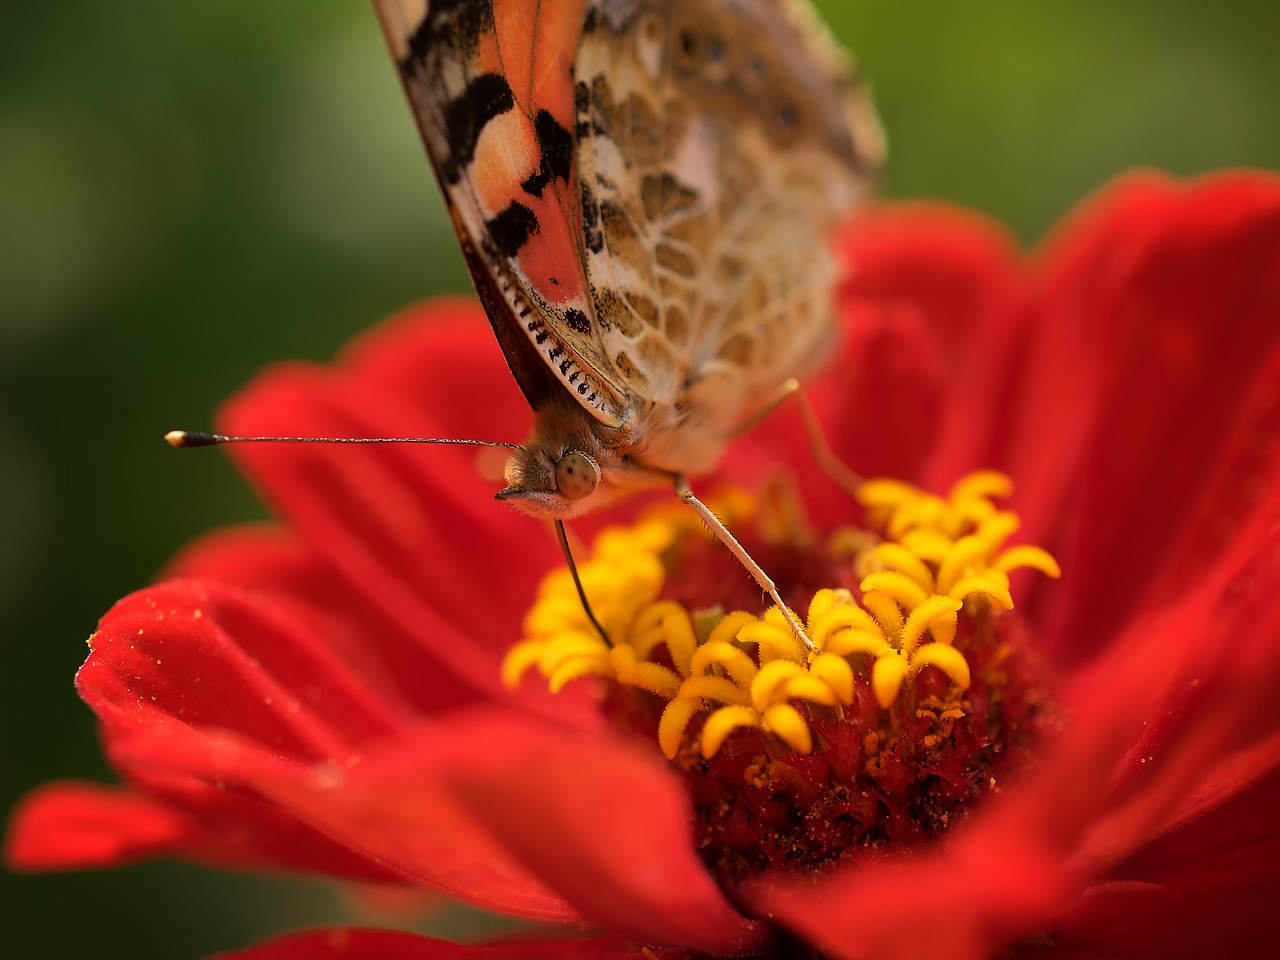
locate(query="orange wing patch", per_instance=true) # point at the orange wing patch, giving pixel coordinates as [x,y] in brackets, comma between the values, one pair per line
[491,85]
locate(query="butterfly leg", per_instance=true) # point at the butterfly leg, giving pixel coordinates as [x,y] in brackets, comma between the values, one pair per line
[738,550]
[831,465]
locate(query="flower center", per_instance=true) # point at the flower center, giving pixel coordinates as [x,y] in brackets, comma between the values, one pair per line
[920,693]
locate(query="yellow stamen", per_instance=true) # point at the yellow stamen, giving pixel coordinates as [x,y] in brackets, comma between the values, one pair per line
[723,722]
[1028,556]
[943,558]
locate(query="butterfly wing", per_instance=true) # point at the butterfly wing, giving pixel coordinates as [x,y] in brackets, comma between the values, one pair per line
[643,191]
[491,88]
[719,141]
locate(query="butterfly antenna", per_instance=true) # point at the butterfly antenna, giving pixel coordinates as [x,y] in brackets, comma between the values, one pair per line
[577,581]
[191,438]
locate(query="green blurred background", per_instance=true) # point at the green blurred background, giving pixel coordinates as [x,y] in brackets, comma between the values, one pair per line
[191,190]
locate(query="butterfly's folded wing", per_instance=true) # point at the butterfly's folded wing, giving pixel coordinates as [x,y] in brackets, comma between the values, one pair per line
[491,88]
[643,190]
[720,141]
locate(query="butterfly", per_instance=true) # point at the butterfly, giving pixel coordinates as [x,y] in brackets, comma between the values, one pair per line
[642,190]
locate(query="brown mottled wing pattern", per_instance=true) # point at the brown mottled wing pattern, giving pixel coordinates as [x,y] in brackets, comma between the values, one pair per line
[491,88]
[643,190]
[719,141]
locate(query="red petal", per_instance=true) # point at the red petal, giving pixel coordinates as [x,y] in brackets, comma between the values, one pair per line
[411,530]
[68,826]
[398,807]
[1212,726]
[896,395]
[1132,375]
[610,829]
[961,905]
[481,808]
[960,276]
[274,568]
[176,669]
[352,943]
[1240,500]
[1202,891]
[209,656]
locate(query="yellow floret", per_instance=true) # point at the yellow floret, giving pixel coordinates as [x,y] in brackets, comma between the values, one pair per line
[940,559]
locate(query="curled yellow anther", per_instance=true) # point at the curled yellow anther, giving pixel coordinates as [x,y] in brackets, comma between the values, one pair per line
[932,611]
[518,661]
[675,719]
[931,546]
[786,723]
[577,668]
[681,643]
[650,630]
[824,602]
[848,642]
[1027,556]
[885,609]
[947,659]
[836,673]
[982,484]
[896,557]
[732,659]
[887,675]
[771,676]
[723,722]
[998,528]
[643,674]
[774,637]
[965,554]
[714,688]
[991,585]
[838,619]
[727,629]
[901,588]
[886,493]
[811,689]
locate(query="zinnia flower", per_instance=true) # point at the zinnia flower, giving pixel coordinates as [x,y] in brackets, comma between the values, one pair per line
[1094,772]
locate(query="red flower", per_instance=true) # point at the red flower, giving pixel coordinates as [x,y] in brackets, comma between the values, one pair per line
[326,697]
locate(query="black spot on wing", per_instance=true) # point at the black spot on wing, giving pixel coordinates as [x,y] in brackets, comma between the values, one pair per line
[453,23]
[592,235]
[556,145]
[582,109]
[511,229]
[577,320]
[486,96]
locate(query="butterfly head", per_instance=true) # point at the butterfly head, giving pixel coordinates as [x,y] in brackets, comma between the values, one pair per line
[545,485]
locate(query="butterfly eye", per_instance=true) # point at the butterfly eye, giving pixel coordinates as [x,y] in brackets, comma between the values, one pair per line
[577,476]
